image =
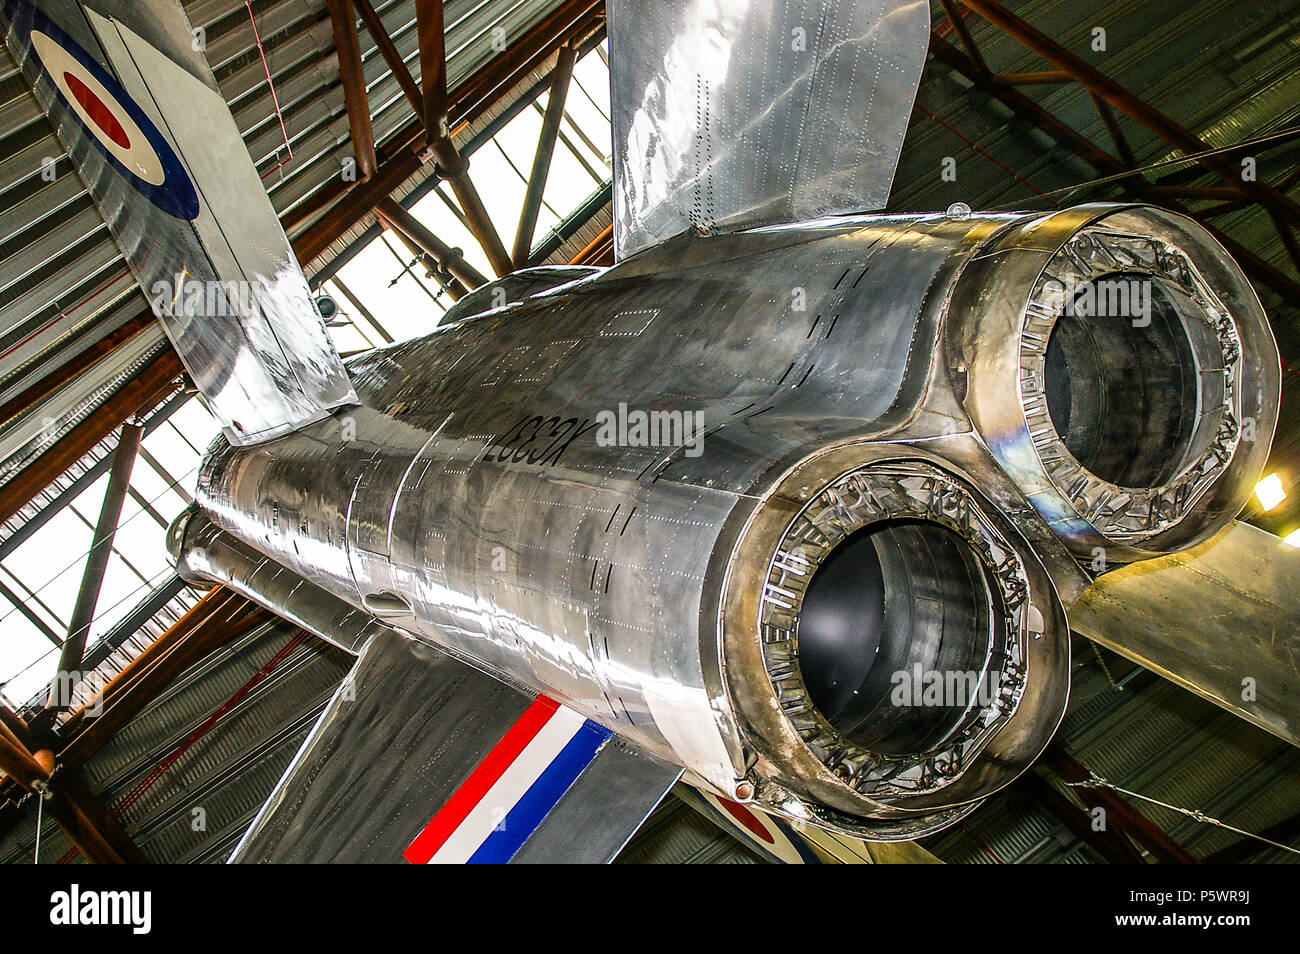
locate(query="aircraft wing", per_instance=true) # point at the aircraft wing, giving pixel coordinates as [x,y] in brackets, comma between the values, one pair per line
[735,115]
[424,758]
[1221,619]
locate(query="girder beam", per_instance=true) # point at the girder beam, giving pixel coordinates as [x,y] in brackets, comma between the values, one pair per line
[101,549]
[546,141]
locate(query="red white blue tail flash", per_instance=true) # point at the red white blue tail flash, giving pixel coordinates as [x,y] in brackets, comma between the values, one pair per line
[510,793]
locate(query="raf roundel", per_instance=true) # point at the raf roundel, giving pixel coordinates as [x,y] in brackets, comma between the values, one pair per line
[769,834]
[112,121]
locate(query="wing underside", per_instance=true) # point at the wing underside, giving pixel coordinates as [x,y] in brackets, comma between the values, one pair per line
[1221,620]
[423,758]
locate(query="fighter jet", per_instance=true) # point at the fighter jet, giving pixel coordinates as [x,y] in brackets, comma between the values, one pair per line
[795,505]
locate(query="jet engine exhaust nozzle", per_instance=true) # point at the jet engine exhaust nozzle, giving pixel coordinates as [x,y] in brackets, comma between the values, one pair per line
[1142,404]
[907,655]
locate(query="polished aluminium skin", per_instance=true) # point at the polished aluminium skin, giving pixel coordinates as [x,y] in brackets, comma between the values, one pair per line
[730,114]
[868,378]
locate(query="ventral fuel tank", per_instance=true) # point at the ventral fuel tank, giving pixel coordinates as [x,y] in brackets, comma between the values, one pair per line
[800,509]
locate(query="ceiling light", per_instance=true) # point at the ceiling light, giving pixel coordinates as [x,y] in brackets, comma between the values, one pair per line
[1270,491]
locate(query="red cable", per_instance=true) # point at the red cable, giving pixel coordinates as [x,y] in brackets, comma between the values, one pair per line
[945,28]
[257,35]
[130,798]
[64,313]
[965,831]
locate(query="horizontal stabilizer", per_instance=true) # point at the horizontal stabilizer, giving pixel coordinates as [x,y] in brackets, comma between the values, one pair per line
[422,757]
[735,115]
[133,100]
[1222,620]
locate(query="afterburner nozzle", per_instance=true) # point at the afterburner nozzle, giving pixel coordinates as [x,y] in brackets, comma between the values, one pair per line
[1122,372]
[894,649]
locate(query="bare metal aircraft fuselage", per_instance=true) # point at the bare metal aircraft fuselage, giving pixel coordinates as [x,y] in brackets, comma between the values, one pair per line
[739,498]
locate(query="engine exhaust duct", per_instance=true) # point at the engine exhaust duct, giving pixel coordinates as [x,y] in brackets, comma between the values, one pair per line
[1121,369]
[894,649]
[904,460]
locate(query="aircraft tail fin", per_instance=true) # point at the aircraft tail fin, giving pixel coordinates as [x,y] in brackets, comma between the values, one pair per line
[730,116]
